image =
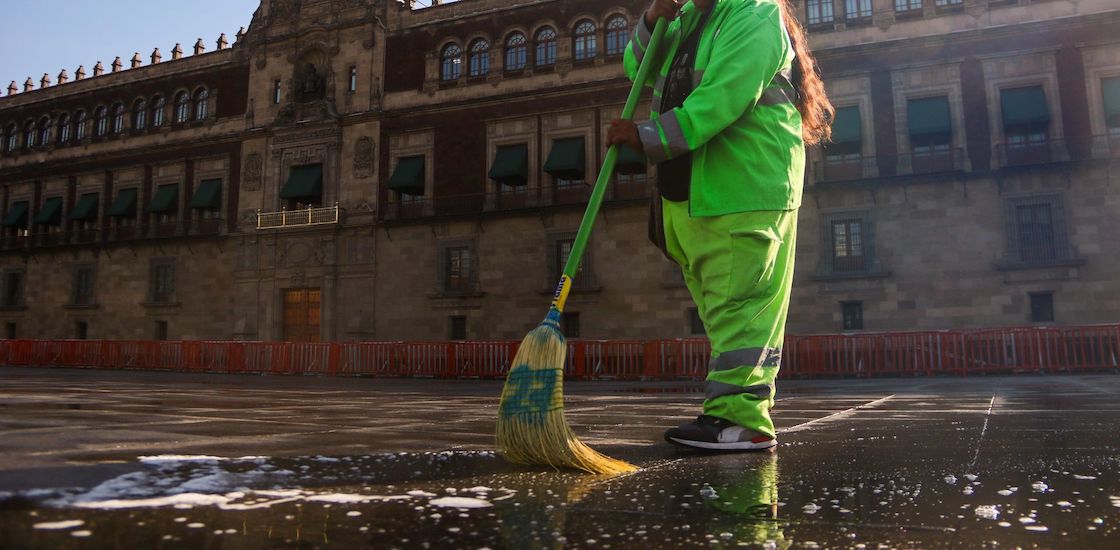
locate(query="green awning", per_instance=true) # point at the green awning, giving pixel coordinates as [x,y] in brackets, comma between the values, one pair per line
[408,178]
[50,213]
[125,205]
[86,209]
[629,162]
[166,199]
[304,182]
[846,127]
[567,160]
[208,196]
[1024,107]
[1110,90]
[17,215]
[929,116]
[511,165]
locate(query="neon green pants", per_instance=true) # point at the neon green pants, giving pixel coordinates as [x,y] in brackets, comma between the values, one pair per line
[739,269]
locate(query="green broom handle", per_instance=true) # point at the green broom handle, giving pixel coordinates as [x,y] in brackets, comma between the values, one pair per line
[605,173]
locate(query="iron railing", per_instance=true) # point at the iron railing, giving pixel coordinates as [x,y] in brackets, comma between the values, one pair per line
[1031,153]
[298,218]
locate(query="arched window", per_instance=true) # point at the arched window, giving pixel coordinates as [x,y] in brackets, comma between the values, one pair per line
[101,122]
[29,134]
[201,104]
[480,58]
[545,47]
[44,131]
[515,52]
[451,62]
[118,118]
[140,115]
[64,129]
[585,46]
[618,35]
[12,141]
[158,105]
[182,107]
[80,125]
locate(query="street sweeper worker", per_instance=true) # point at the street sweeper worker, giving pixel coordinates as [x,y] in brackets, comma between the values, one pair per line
[735,102]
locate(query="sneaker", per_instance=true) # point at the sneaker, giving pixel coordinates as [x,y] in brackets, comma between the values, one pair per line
[717,434]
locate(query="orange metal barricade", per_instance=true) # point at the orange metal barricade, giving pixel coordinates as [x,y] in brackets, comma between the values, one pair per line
[960,352]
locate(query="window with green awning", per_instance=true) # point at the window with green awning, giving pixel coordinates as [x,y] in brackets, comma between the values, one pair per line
[567,160]
[86,209]
[408,178]
[125,204]
[511,165]
[166,200]
[629,162]
[1024,107]
[1110,91]
[208,196]
[17,215]
[50,213]
[304,182]
[929,117]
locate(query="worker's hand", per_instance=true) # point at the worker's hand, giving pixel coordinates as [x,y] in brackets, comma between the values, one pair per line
[624,132]
[663,8]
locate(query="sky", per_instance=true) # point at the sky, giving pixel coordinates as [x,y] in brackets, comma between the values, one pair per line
[46,36]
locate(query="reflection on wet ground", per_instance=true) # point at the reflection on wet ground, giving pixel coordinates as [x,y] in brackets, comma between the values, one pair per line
[168,461]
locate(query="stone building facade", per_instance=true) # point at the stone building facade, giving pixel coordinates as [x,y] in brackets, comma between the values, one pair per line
[367,170]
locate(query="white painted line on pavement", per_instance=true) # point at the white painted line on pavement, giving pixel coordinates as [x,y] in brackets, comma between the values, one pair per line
[834,416]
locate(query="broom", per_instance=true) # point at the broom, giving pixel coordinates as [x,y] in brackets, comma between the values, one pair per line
[531,427]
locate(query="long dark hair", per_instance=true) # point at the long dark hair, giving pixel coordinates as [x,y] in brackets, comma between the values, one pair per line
[816,110]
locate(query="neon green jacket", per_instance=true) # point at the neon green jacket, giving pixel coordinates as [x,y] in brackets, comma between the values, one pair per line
[739,122]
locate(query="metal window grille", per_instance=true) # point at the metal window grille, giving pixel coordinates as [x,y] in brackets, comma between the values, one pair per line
[1036,231]
[546,47]
[182,107]
[848,242]
[201,104]
[158,105]
[83,286]
[140,116]
[819,11]
[452,62]
[458,268]
[64,129]
[618,35]
[118,118]
[853,315]
[163,283]
[515,52]
[479,58]
[585,42]
[857,9]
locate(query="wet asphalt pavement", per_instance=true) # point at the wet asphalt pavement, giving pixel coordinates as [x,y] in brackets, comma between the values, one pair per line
[152,460]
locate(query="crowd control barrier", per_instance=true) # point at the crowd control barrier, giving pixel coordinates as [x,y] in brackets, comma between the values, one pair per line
[939,353]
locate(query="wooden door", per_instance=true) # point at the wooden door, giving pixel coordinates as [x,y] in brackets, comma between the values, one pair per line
[301,315]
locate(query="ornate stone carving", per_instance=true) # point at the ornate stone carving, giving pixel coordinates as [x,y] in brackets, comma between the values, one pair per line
[299,279]
[312,84]
[253,167]
[248,218]
[363,158]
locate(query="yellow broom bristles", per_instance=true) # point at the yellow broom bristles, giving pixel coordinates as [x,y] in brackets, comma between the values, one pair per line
[531,426]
